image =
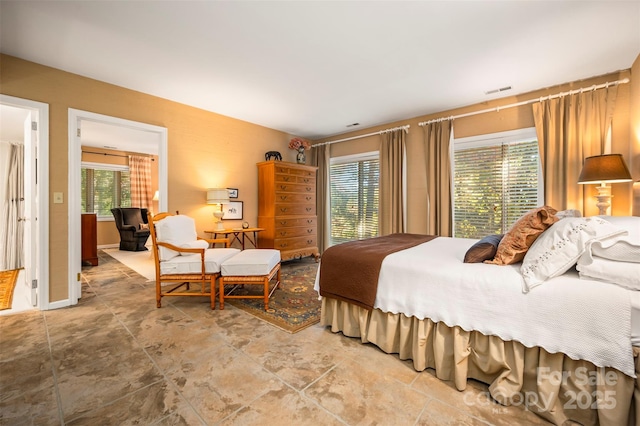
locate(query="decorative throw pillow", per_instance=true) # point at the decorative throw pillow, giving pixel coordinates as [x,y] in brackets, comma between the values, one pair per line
[176,230]
[485,249]
[202,244]
[568,213]
[559,248]
[522,234]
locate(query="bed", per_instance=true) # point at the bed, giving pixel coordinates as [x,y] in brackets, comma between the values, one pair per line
[561,340]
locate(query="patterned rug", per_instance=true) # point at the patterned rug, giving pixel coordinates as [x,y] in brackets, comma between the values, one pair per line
[7,284]
[294,306]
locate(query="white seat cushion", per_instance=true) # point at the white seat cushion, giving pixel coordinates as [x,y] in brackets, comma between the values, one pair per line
[252,262]
[191,264]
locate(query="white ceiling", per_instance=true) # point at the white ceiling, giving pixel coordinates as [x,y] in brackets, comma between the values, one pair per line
[311,68]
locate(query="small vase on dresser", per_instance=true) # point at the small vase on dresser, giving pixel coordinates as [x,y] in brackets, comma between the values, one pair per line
[301,158]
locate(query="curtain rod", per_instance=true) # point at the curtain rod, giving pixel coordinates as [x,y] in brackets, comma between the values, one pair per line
[405,128]
[530,101]
[116,155]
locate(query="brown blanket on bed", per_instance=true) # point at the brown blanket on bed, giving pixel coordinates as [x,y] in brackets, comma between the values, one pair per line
[350,271]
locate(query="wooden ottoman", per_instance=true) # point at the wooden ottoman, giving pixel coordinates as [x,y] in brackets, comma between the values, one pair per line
[253,266]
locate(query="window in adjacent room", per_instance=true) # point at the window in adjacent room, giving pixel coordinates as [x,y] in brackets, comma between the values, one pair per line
[497,178]
[354,197]
[103,187]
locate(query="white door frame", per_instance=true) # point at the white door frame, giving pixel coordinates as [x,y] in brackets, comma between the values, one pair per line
[40,202]
[75,160]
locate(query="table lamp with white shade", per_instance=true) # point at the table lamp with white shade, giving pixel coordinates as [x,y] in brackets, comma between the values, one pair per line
[218,196]
[603,169]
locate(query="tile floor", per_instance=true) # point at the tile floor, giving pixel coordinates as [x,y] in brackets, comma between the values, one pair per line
[116,359]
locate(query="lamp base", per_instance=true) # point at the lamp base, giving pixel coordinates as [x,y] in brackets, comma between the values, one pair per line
[218,215]
[604,198]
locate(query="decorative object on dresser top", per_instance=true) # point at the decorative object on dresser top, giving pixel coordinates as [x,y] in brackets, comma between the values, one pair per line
[575,325]
[301,146]
[287,209]
[604,169]
[217,197]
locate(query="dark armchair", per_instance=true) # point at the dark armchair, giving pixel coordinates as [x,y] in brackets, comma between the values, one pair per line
[132,222]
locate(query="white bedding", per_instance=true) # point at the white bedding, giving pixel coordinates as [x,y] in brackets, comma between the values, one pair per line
[583,319]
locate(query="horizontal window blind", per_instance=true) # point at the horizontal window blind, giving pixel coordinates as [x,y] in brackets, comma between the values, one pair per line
[104,189]
[354,200]
[494,186]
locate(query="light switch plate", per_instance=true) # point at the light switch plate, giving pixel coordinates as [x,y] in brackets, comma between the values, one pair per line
[57,198]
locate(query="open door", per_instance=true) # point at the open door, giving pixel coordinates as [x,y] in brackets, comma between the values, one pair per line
[35,212]
[30,218]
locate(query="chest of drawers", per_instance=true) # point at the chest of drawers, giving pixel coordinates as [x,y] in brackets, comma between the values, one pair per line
[287,209]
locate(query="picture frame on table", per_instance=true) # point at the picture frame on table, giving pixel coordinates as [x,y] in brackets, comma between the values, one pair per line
[233,192]
[232,210]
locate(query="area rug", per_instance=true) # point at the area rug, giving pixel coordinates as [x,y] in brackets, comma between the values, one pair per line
[294,306]
[7,284]
[140,261]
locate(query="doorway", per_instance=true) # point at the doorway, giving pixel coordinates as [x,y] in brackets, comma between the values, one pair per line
[79,120]
[27,125]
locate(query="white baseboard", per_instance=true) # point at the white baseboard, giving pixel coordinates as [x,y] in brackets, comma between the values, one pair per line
[59,304]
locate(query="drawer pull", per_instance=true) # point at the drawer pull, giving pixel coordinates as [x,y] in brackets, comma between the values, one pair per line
[286,178]
[283,197]
[283,245]
[309,209]
[282,234]
[308,189]
[283,222]
[309,242]
[309,220]
[309,231]
[283,187]
[283,209]
[308,198]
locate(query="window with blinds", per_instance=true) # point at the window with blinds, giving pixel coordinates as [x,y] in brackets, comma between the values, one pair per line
[104,187]
[497,179]
[354,185]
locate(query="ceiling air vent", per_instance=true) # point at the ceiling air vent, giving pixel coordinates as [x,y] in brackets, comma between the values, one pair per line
[502,89]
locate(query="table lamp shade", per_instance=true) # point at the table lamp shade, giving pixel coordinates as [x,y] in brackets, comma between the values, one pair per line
[217,196]
[608,168]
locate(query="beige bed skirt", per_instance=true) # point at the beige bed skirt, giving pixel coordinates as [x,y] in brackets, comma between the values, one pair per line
[554,386]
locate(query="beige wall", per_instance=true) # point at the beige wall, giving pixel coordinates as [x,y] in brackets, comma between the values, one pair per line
[205,149]
[211,150]
[504,120]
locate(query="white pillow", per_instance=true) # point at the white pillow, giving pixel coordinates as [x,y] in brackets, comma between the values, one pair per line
[194,244]
[560,246]
[563,214]
[176,230]
[628,223]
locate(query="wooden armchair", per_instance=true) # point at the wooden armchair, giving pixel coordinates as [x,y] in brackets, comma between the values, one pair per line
[182,258]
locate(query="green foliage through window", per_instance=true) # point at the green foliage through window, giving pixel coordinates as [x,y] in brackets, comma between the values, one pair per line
[354,200]
[494,186]
[104,189]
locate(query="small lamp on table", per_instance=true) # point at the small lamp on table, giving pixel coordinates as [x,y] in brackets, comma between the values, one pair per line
[603,169]
[218,196]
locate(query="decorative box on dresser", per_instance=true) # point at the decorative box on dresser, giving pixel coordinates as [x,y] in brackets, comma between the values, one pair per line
[287,209]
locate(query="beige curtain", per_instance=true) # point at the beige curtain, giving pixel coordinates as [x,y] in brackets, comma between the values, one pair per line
[438,166]
[321,158]
[392,176]
[13,223]
[140,175]
[571,128]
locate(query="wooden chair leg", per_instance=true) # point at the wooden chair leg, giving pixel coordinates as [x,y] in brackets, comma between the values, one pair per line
[221,285]
[266,293]
[213,292]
